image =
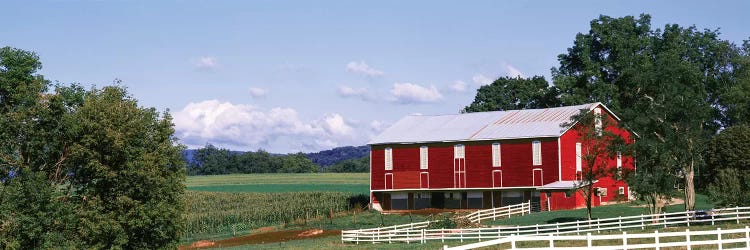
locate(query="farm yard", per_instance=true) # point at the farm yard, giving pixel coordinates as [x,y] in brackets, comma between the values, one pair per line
[293,204]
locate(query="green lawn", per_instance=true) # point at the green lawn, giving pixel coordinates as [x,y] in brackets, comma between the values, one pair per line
[610,211]
[357,183]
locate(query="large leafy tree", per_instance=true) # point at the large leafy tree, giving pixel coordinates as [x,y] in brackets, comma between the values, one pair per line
[83,169]
[508,93]
[665,84]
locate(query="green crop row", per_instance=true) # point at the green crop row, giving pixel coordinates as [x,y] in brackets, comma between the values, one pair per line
[213,212]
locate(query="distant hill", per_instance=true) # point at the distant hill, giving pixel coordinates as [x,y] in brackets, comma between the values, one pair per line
[330,157]
[323,158]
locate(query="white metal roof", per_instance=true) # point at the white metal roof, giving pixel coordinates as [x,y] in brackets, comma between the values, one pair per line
[496,125]
[563,185]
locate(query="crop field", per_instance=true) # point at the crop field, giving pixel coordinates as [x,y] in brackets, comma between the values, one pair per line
[226,205]
[355,183]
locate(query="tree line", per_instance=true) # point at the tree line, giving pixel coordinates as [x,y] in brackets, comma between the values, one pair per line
[211,160]
[685,93]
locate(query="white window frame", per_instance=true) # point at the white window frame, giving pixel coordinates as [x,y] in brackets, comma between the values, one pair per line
[619,165]
[496,155]
[536,153]
[459,151]
[388,158]
[602,192]
[579,157]
[621,190]
[598,121]
[423,157]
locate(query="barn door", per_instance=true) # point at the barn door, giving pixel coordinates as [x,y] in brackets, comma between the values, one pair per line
[424,180]
[497,178]
[389,181]
[459,166]
[537,177]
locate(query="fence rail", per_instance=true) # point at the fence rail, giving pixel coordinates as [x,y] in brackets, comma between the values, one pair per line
[659,240]
[500,212]
[422,234]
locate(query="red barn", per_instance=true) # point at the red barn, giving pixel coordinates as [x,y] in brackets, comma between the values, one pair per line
[487,159]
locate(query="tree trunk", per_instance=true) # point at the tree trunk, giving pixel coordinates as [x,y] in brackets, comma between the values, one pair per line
[588,199]
[690,187]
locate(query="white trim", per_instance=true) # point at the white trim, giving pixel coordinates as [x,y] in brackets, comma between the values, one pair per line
[493,177]
[370,177]
[388,165]
[497,159]
[559,160]
[385,181]
[579,157]
[533,177]
[428,180]
[621,190]
[424,157]
[536,152]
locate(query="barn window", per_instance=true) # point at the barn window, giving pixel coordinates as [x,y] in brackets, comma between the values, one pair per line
[601,192]
[423,157]
[388,159]
[495,154]
[619,165]
[458,151]
[536,148]
[579,156]
[621,190]
[598,121]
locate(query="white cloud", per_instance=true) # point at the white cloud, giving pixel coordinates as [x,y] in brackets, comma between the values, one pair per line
[513,71]
[206,63]
[415,93]
[458,86]
[258,92]
[481,80]
[361,93]
[362,68]
[378,126]
[347,91]
[246,127]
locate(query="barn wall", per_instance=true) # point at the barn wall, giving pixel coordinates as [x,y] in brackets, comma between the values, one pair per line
[516,164]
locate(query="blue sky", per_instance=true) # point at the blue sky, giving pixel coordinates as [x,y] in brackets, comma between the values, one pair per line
[289,76]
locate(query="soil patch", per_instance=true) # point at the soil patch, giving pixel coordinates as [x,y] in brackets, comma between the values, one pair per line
[265,237]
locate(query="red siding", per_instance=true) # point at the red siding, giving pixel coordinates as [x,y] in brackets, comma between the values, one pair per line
[516,164]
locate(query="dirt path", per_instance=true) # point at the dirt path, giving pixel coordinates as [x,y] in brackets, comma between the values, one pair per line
[262,238]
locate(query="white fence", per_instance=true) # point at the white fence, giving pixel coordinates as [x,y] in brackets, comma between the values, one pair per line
[659,240]
[500,212]
[421,234]
[414,231]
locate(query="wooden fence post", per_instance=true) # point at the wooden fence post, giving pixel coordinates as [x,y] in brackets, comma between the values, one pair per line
[656,239]
[588,239]
[737,213]
[578,227]
[513,241]
[747,236]
[642,226]
[718,235]
[624,240]
[687,239]
[551,241]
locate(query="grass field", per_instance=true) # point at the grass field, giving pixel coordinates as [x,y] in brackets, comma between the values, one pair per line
[356,183]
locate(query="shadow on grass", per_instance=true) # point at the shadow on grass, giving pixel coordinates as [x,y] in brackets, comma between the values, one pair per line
[565,219]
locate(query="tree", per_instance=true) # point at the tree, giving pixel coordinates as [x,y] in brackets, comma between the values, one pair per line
[599,145]
[664,84]
[359,165]
[128,173]
[83,169]
[728,167]
[507,93]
